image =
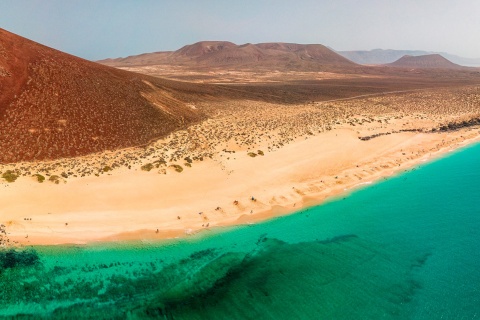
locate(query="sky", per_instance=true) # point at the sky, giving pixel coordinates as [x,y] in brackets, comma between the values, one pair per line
[98,29]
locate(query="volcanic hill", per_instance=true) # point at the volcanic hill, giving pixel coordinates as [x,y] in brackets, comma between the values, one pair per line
[55,105]
[211,54]
[384,56]
[429,61]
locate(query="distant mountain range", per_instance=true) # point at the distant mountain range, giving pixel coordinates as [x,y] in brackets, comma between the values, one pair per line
[281,56]
[380,56]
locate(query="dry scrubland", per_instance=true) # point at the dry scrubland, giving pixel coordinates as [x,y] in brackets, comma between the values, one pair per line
[255,128]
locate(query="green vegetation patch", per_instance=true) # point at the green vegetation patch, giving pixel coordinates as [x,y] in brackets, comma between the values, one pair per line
[55,179]
[10,176]
[39,177]
[147,167]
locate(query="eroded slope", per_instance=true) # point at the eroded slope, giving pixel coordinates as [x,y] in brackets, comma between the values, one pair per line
[55,105]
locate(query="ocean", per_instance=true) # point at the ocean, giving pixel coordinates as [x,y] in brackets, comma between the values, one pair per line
[407,247]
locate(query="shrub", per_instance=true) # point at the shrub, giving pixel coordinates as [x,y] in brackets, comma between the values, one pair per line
[177,167]
[260,152]
[55,179]
[147,167]
[10,176]
[252,154]
[39,177]
[107,168]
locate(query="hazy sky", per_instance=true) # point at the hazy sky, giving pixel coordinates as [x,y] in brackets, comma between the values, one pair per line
[97,29]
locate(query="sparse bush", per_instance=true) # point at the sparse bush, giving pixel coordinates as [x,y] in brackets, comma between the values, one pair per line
[186,164]
[107,168]
[260,152]
[10,176]
[252,154]
[177,167]
[39,177]
[55,179]
[147,167]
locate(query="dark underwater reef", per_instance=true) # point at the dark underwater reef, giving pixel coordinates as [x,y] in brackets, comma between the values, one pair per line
[274,280]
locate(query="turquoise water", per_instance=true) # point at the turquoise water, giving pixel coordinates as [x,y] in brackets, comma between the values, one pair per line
[405,248]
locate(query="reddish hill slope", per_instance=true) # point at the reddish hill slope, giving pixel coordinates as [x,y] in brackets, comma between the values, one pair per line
[428,61]
[208,54]
[55,105]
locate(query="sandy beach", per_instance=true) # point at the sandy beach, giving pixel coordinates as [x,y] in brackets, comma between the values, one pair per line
[135,204]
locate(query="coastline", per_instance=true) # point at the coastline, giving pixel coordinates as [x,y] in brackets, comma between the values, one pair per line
[130,205]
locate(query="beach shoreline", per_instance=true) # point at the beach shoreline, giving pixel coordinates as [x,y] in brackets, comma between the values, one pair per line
[148,206]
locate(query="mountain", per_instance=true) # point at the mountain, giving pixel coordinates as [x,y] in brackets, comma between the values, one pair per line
[203,48]
[428,61]
[55,105]
[208,54]
[380,56]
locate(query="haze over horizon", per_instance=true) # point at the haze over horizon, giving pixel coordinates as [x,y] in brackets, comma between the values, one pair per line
[118,28]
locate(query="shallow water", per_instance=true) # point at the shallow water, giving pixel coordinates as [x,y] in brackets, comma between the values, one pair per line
[405,248]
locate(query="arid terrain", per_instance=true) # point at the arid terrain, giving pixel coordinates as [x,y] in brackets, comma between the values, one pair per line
[187,148]
[54,105]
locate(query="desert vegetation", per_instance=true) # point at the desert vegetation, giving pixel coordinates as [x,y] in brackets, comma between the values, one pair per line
[39,177]
[67,118]
[259,128]
[10,175]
